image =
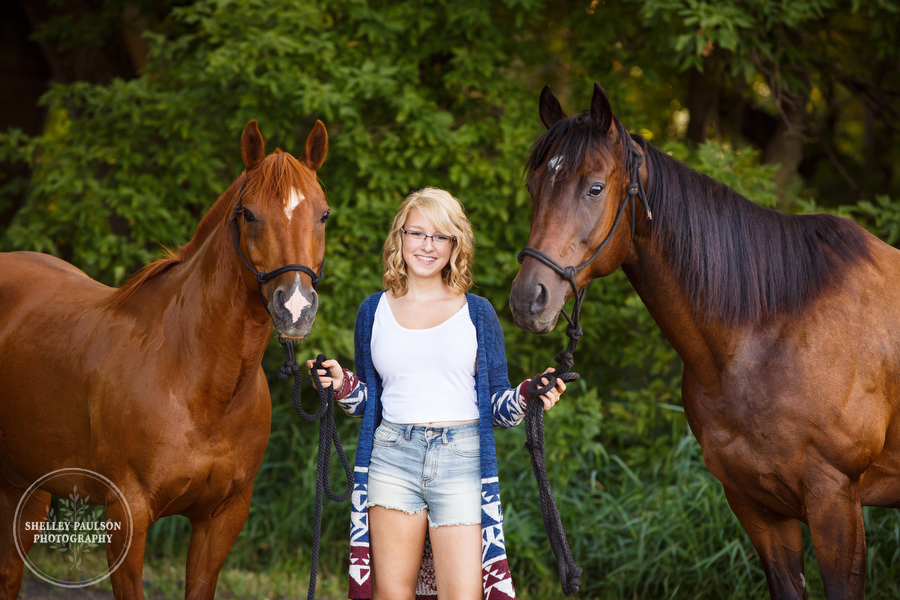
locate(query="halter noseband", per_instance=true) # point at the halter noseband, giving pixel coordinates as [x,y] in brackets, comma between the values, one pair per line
[635,188]
[264,276]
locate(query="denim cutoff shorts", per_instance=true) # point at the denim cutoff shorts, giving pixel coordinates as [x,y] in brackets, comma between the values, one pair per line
[438,469]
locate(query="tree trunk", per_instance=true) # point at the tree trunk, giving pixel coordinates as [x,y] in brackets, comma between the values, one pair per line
[700,105]
[786,145]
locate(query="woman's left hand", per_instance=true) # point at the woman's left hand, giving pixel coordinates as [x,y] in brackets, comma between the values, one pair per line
[552,396]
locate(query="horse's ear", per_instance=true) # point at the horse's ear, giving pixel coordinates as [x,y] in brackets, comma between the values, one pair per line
[253,147]
[316,147]
[601,111]
[549,108]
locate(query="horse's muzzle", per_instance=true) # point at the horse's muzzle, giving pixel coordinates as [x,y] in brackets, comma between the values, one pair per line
[535,307]
[293,308]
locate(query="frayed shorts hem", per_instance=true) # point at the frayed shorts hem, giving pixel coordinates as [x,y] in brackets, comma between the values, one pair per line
[435,526]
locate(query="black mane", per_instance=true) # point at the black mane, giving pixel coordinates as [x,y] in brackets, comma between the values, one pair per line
[737,261]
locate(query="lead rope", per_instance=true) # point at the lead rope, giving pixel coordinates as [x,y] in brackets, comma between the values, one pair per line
[327,434]
[569,572]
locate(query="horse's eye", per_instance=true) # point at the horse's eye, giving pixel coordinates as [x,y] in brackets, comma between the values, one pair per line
[596,189]
[324,217]
[248,216]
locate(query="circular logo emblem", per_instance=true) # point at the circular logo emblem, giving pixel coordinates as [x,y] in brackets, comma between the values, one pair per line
[73,529]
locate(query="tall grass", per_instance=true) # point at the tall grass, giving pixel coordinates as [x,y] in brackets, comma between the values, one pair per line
[644,517]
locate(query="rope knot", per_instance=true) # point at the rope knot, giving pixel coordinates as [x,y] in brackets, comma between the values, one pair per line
[287,369]
[565,360]
[568,273]
[632,189]
[573,581]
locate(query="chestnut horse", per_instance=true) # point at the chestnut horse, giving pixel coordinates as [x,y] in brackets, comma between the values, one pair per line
[157,385]
[788,326]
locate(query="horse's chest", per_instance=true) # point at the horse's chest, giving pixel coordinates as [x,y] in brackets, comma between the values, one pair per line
[222,478]
[211,467]
[204,481]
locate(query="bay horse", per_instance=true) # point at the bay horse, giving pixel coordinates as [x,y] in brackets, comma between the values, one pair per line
[788,327]
[157,385]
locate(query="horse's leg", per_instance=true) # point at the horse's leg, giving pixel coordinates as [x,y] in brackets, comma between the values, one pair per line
[127,579]
[34,510]
[778,541]
[838,536]
[211,540]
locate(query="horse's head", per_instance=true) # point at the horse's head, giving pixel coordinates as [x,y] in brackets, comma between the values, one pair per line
[578,172]
[279,228]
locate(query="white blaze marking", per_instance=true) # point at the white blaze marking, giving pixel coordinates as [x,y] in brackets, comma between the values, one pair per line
[555,164]
[291,203]
[296,303]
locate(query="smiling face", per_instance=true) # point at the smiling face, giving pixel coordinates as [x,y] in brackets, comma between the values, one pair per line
[424,258]
[429,212]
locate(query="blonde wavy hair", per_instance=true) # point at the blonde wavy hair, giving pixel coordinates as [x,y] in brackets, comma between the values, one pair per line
[448,217]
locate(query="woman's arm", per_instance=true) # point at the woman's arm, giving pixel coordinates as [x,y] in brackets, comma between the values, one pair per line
[508,404]
[350,392]
[507,409]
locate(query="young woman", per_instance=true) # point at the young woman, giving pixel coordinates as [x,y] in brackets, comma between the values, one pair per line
[432,383]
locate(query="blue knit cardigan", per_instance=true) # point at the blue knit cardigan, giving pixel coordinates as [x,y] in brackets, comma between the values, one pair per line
[498,404]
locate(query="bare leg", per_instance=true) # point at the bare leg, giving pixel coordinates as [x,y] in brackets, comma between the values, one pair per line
[397,541]
[11,562]
[778,541]
[457,561]
[211,540]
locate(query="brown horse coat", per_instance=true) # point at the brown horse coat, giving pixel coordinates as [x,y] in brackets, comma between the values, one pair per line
[788,326]
[157,385]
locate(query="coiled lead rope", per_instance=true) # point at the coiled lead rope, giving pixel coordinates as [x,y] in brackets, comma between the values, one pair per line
[327,435]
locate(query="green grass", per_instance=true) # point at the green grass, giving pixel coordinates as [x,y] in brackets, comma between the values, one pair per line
[167,581]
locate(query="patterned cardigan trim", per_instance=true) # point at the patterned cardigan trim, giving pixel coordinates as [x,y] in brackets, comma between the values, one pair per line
[499,405]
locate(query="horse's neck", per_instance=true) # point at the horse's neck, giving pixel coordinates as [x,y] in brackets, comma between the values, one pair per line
[207,303]
[701,345]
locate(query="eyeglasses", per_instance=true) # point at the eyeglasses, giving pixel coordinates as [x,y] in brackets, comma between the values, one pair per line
[418,236]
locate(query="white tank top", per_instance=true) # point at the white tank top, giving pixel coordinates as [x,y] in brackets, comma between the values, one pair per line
[428,375]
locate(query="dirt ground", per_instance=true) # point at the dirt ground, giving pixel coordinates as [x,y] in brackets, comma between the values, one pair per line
[36,589]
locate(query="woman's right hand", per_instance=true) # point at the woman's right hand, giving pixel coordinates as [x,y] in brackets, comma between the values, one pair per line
[332,374]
